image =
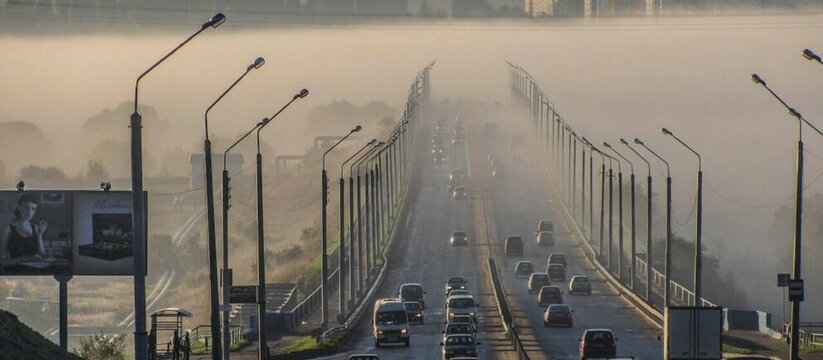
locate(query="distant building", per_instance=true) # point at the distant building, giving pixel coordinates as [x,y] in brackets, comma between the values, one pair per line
[539,8]
[197,168]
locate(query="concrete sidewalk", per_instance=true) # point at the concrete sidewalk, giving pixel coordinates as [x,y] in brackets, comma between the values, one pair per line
[763,345]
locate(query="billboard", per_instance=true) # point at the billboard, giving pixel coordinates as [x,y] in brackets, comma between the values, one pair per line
[66,232]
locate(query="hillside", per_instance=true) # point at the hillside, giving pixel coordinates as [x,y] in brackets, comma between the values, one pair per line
[18,341]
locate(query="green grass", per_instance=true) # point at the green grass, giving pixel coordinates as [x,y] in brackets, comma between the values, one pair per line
[811,350]
[728,348]
[301,344]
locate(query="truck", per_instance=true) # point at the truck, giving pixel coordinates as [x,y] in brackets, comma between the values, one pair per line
[693,332]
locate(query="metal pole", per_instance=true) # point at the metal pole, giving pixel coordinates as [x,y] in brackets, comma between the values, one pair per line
[668,240]
[341,255]
[215,303]
[698,244]
[63,281]
[352,258]
[263,347]
[569,174]
[794,349]
[574,173]
[620,225]
[375,214]
[634,236]
[611,218]
[226,273]
[324,261]
[138,228]
[366,218]
[649,239]
[602,203]
[591,196]
[362,258]
[583,188]
[138,204]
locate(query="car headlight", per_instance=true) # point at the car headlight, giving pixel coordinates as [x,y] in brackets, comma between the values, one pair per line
[379,332]
[404,331]
[471,314]
[419,315]
[451,314]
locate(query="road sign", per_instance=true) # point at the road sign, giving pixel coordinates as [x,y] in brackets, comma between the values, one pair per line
[783,280]
[796,290]
[243,295]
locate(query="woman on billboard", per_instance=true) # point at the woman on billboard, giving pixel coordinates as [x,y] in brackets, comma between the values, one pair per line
[22,240]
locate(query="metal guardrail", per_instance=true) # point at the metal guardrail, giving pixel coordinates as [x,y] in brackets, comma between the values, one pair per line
[807,338]
[312,302]
[388,232]
[202,334]
[509,324]
[680,294]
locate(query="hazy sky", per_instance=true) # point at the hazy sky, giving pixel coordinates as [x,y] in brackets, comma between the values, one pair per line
[609,79]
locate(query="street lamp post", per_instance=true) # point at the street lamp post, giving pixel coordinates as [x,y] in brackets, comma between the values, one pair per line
[361,261]
[227,281]
[634,233]
[342,226]
[667,266]
[215,308]
[262,350]
[141,344]
[611,212]
[698,243]
[324,258]
[796,275]
[591,187]
[648,221]
[602,197]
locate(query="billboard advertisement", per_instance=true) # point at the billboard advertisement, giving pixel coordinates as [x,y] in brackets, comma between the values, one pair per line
[66,232]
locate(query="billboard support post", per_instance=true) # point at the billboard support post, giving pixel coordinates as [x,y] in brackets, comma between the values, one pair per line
[64,315]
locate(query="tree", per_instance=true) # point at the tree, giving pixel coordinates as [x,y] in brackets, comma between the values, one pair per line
[102,347]
[42,175]
[426,9]
[97,171]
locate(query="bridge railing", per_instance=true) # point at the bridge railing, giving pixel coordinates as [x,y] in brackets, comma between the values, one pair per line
[389,216]
[540,109]
[509,324]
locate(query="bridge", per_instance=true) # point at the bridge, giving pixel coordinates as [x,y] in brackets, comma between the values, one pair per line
[538,179]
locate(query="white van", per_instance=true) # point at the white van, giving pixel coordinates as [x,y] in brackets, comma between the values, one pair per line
[390,323]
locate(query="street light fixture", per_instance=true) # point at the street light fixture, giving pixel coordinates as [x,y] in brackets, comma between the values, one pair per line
[611,210]
[648,221]
[261,245]
[141,345]
[591,187]
[342,226]
[215,308]
[698,243]
[810,55]
[324,258]
[364,252]
[620,214]
[668,263]
[796,274]
[602,196]
[354,282]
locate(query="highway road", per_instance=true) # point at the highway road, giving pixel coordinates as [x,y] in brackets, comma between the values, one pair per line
[423,255]
[520,201]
